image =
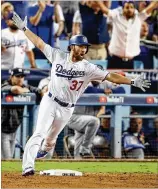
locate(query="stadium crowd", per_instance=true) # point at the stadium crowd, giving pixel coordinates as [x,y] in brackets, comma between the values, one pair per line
[114,45]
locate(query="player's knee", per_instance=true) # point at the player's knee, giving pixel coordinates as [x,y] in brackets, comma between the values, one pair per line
[38,137]
[96,121]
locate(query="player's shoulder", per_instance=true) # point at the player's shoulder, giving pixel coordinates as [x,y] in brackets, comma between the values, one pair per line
[57,49]
[62,52]
[88,63]
[19,33]
[126,134]
[85,62]
[4,31]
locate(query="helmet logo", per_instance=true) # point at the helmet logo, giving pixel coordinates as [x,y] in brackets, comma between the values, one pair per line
[85,39]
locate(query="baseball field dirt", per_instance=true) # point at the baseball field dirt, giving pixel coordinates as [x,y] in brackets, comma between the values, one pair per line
[95,175]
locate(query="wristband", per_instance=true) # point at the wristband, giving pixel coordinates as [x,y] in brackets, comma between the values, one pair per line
[132,82]
[24,29]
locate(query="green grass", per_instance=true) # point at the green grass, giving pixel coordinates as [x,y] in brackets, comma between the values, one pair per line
[93,167]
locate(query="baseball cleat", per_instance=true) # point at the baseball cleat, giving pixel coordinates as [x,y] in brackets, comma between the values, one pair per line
[84,151]
[28,172]
[41,154]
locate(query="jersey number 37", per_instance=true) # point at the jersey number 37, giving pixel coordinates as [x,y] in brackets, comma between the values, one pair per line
[76,85]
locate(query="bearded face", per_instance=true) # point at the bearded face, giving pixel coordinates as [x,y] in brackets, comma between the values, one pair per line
[136,125]
[79,51]
[128,10]
[11,25]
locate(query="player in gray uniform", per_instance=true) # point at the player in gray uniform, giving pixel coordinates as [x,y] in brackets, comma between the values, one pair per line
[70,75]
[85,126]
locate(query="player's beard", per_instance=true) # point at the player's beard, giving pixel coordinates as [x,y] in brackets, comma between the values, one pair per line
[13,27]
[130,15]
[78,56]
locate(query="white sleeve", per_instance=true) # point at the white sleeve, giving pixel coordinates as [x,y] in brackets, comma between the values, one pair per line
[50,52]
[3,38]
[143,15]
[77,17]
[30,45]
[60,12]
[95,73]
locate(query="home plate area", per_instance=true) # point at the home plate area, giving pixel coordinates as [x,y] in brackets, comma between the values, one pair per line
[60,172]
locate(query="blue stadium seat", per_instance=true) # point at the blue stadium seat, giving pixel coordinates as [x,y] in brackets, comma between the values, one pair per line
[138,65]
[155,62]
[41,64]
[100,62]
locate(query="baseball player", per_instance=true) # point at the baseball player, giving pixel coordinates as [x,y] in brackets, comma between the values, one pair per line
[85,126]
[14,44]
[70,75]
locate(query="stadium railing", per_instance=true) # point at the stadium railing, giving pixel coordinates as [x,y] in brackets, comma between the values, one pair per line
[116,103]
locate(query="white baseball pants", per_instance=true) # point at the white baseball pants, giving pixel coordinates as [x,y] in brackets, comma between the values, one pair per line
[52,118]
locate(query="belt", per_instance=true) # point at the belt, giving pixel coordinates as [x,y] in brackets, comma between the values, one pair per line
[61,103]
[125,59]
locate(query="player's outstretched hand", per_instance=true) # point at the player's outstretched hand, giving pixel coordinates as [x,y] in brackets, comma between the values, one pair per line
[140,82]
[19,22]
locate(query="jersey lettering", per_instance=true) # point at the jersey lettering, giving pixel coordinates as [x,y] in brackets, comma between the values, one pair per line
[9,43]
[61,72]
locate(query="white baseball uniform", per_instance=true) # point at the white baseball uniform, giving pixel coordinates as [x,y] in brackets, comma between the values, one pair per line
[16,44]
[68,82]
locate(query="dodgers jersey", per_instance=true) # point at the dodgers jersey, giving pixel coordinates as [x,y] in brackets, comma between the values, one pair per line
[68,79]
[16,44]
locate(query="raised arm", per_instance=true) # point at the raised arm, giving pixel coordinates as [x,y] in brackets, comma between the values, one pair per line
[102,7]
[153,5]
[76,24]
[37,17]
[37,41]
[59,18]
[22,25]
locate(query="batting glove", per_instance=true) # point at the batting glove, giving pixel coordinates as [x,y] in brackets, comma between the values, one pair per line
[22,25]
[140,82]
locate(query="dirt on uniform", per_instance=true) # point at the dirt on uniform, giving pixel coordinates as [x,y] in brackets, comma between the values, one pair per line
[88,180]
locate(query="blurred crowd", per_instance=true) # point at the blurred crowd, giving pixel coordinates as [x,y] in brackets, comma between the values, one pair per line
[56,21]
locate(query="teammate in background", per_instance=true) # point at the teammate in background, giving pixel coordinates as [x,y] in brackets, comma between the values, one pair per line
[14,44]
[133,140]
[12,115]
[70,75]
